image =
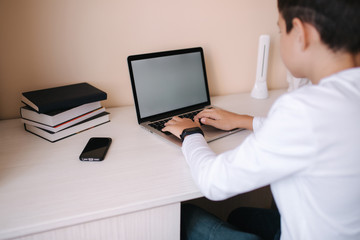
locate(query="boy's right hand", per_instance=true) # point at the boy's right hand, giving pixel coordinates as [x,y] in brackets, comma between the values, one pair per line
[224,120]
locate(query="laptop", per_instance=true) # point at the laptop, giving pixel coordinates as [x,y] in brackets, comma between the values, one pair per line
[168,84]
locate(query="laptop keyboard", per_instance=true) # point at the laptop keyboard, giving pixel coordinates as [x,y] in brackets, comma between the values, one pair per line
[161,123]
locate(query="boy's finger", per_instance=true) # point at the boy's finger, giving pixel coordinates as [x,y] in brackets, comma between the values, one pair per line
[208,121]
[205,115]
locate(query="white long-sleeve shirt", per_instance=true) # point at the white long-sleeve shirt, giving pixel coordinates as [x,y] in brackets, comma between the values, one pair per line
[307,149]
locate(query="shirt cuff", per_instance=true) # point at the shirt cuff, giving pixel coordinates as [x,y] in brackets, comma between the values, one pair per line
[195,136]
[192,142]
[257,123]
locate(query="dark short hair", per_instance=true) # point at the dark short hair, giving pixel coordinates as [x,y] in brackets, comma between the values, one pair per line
[337,21]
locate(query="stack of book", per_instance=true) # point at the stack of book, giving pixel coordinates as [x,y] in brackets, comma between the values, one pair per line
[60,112]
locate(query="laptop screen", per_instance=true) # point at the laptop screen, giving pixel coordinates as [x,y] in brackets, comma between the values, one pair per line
[168,81]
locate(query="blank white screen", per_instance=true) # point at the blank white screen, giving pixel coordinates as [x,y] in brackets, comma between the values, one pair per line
[168,83]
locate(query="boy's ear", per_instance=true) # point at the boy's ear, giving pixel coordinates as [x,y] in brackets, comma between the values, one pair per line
[301,33]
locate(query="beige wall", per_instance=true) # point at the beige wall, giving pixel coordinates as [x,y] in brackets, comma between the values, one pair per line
[47,43]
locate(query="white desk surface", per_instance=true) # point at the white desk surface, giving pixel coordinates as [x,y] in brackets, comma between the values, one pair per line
[44,185]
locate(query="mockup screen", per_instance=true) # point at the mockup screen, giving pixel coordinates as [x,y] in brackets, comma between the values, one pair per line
[168,83]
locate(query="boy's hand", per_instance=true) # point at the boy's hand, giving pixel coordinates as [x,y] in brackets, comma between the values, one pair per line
[177,125]
[224,120]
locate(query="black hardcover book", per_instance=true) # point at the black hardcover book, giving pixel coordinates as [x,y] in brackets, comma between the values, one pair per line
[64,97]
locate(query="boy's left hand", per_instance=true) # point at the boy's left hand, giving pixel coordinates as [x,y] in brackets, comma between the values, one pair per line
[177,125]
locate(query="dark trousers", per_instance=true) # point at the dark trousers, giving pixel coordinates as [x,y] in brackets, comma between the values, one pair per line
[243,224]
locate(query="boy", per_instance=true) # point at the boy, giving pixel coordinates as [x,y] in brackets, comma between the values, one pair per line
[308,148]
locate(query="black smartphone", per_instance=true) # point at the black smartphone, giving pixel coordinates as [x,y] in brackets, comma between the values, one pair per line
[95,149]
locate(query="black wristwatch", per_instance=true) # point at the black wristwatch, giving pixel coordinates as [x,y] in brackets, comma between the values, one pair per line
[189,131]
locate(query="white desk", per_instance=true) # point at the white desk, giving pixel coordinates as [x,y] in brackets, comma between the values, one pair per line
[135,193]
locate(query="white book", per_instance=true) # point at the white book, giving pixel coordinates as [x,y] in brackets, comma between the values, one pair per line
[67,132]
[66,124]
[57,117]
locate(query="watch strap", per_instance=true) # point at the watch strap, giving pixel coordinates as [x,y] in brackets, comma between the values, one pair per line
[189,131]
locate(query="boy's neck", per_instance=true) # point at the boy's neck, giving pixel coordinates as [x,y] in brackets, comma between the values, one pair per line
[357,60]
[330,63]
